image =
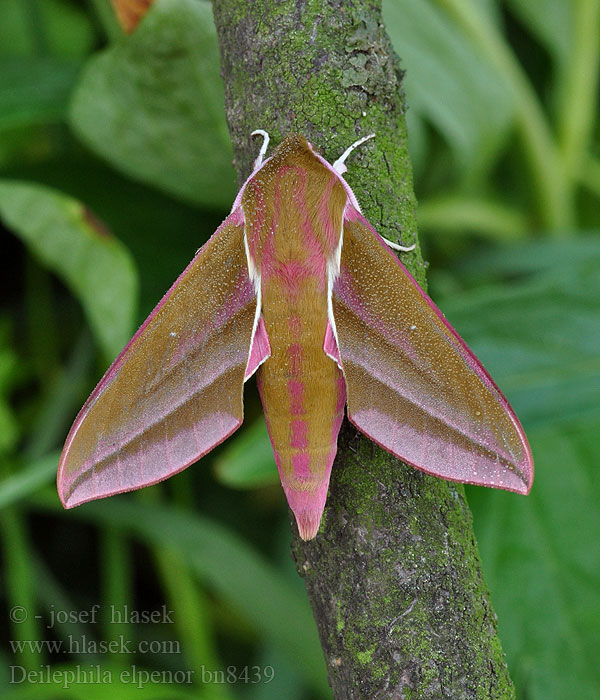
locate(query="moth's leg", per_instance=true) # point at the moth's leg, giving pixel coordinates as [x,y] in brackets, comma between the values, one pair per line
[340,167]
[263,148]
[396,246]
[339,163]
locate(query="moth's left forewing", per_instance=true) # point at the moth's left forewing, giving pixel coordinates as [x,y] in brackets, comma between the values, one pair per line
[176,390]
[413,385]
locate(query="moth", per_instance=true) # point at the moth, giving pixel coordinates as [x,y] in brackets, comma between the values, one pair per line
[296,286]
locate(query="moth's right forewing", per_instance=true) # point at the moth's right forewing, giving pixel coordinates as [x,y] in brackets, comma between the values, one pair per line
[414,387]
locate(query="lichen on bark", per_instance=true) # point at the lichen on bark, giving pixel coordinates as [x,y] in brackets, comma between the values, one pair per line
[394,576]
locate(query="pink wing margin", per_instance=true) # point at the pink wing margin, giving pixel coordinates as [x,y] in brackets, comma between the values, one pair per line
[414,387]
[175,392]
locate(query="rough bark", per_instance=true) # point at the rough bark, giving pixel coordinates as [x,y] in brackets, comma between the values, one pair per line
[394,576]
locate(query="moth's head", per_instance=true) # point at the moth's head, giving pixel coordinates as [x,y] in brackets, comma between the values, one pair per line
[293,147]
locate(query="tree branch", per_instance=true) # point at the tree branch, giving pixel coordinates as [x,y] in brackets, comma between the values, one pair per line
[394,576]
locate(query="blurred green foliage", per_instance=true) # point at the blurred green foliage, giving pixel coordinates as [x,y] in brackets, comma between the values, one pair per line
[110,144]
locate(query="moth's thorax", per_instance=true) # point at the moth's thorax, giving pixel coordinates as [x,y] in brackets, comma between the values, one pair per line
[293,209]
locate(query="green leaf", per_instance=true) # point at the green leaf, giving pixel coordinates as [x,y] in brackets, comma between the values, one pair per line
[34,91]
[152,105]
[9,427]
[539,335]
[542,563]
[551,21]
[9,375]
[242,577]
[448,82]
[539,258]
[29,479]
[66,237]
[286,681]
[247,462]
[50,27]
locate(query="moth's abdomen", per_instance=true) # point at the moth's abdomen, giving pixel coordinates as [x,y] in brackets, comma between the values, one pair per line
[303,395]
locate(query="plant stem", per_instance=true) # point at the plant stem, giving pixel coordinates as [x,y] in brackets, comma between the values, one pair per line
[393,577]
[486,218]
[577,109]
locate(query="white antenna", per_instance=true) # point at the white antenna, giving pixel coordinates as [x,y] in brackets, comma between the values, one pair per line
[339,163]
[263,148]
